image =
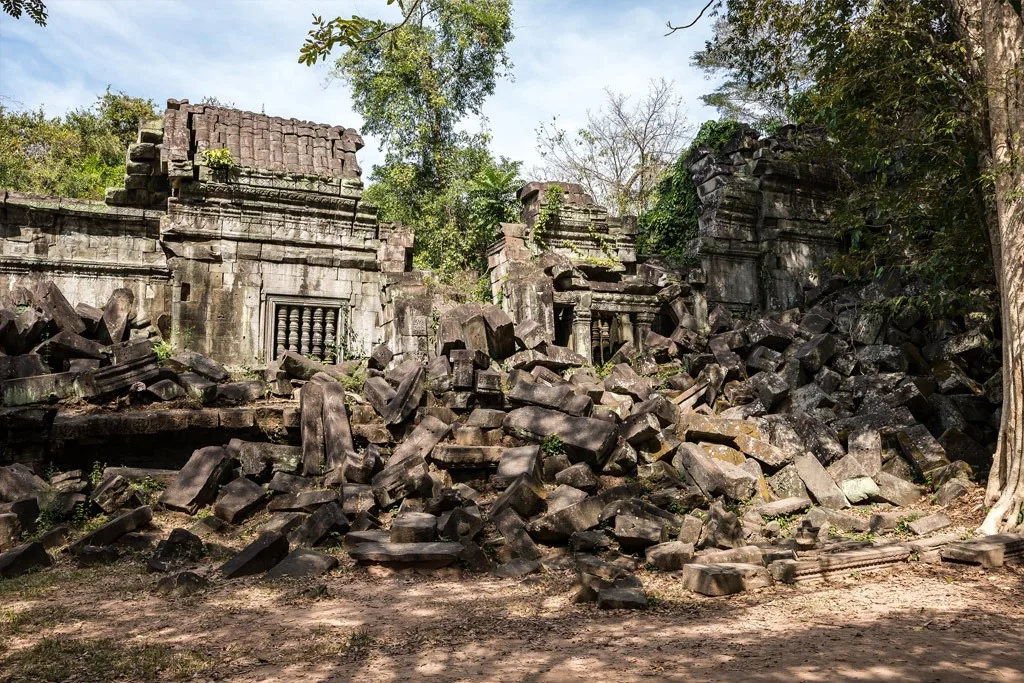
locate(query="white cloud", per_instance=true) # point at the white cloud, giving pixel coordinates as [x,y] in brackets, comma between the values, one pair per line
[245,52]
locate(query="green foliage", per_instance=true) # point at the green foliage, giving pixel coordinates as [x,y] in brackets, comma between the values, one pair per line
[79,155]
[220,159]
[552,445]
[96,474]
[672,222]
[163,350]
[35,9]
[901,113]
[550,210]
[492,197]
[413,82]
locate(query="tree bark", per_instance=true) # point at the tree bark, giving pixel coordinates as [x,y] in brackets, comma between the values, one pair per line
[1002,41]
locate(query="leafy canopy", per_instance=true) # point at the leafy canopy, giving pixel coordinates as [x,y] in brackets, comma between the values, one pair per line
[414,81]
[889,85]
[78,155]
[35,9]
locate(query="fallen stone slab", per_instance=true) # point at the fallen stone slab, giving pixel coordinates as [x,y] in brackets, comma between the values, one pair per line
[303,501]
[561,524]
[829,564]
[196,483]
[452,456]
[257,557]
[817,480]
[239,500]
[515,462]
[425,555]
[988,551]
[114,323]
[110,532]
[716,580]
[748,554]
[669,556]
[517,568]
[407,397]
[896,491]
[327,521]
[303,563]
[311,409]
[585,439]
[23,559]
[525,495]
[118,378]
[621,598]
[39,389]
[191,361]
[786,506]
[930,524]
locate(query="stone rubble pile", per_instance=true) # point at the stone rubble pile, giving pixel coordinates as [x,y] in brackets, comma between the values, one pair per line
[734,454]
[51,350]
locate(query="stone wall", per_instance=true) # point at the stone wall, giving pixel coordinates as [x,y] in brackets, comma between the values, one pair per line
[764,229]
[87,248]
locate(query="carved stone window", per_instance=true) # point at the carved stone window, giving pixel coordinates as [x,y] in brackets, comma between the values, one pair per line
[316,328]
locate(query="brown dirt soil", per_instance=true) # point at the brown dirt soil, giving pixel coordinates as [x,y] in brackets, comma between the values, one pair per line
[914,622]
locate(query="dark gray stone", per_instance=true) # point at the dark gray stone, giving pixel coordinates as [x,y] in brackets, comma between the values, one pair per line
[257,557]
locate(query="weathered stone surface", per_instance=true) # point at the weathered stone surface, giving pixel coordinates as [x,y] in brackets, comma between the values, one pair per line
[303,563]
[421,442]
[515,462]
[257,557]
[988,551]
[23,559]
[585,439]
[338,446]
[17,481]
[200,365]
[114,529]
[714,476]
[524,495]
[724,579]
[311,406]
[621,598]
[825,565]
[930,524]
[196,483]
[517,568]
[563,523]
[669,556]
[819,483]
[635,533]
[923,450]
[426,555]
[786,506]
[407,397]
[303,501]
[239,499]
[114,323]
[895,490]
[413,527]
[859,489]
[181,585]
[579,476]
[749,554]
[451,456]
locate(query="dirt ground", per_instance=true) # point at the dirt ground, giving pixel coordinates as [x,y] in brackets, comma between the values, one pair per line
[913,622]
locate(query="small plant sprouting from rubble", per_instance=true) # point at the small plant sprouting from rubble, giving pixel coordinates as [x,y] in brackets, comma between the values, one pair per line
[163,350]
[552,445]
[220,160]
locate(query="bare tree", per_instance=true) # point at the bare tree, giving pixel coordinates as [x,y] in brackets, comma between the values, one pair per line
[623,150]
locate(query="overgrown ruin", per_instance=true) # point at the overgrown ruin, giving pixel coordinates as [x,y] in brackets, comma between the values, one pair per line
[242,330]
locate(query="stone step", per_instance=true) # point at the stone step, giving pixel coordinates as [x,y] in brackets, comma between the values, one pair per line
[825,565]
[990,551]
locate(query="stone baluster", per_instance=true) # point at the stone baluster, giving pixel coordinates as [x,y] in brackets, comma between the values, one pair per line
[281,332]
[581,318]
[304,332]
[330,341]
[318,332]
[293,328]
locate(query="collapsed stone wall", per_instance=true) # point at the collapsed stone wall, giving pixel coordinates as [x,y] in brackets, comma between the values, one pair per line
[763,228]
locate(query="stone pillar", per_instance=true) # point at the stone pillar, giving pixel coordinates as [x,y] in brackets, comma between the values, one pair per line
[625,330]
[644,321]
[581,320]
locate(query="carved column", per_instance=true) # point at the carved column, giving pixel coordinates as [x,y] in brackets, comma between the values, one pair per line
[581,319]
[644,321]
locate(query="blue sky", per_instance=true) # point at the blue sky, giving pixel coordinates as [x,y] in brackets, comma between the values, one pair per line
[245,51]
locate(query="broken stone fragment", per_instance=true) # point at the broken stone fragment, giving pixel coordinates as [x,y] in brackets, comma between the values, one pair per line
[327,522]
[165,390]
[110,532]
[621,598]
[724,579]
[896,491]
[23,559]
[930,524]
[303,563]
[585,439]
[669,556]
[988,551]
[635,534]
[196,483]
[524,495]
[257,557]
[517,568]
[239,499]
[190,361]
[413,527]
[198,387]
[114,323]
[425,555]
[819,483]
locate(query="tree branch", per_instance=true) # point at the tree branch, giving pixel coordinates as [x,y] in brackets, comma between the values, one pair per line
[673,29]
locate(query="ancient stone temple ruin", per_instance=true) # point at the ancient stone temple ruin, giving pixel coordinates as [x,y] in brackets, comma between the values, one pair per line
[275,252]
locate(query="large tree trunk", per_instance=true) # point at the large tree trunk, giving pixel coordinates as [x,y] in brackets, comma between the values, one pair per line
[1002,42]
